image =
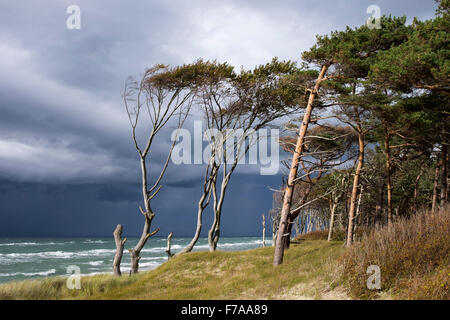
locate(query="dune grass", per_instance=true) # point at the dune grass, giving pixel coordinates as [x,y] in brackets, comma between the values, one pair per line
[309,272]
[413,256]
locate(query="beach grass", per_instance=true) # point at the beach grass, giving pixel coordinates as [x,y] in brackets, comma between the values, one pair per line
[309,271]
[413,255]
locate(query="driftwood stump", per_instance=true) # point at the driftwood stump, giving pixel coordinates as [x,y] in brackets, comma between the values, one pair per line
[119,249]
[169,239]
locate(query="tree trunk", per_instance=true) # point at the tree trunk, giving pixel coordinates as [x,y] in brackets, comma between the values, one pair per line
[287,238]
[202,204]
[198,229]
[380,201]
[169,239]
[136,251]
[434,202]
[148,215]
[285,211]
[214,232]
[264,230]
[444,176]
[387,148]
[293,216]
[330,228]
[416,188]
[119,249]
[353,199]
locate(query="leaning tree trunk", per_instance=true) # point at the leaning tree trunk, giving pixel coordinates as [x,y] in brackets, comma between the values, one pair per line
[285,211]
[214,232]
[353,198]
[293,216]
[210,179]
[148,215]
[119,249]
[198,230]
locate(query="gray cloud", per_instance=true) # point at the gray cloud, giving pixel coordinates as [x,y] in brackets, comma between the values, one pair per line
[61,117]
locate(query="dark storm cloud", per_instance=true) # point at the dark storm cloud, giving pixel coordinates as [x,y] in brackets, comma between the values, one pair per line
[65,149]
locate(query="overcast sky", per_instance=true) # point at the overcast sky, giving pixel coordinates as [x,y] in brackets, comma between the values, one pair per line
[67,163]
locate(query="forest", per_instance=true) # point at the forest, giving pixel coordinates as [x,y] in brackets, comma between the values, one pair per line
[363,117]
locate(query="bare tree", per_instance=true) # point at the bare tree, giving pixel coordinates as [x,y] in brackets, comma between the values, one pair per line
[234,108]
[162,94]
[120,243]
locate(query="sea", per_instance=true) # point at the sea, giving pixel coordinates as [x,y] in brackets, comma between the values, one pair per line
[31,258]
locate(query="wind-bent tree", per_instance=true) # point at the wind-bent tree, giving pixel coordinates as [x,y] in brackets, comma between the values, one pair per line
[289,190]
[162,94]
[419,67]
[342,55]
[235,106]
[326,146]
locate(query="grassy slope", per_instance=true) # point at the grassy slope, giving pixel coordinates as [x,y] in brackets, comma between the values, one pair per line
[309,271]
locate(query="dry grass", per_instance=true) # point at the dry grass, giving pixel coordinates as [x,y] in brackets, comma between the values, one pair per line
[204,275]
[338,235]
[413,256]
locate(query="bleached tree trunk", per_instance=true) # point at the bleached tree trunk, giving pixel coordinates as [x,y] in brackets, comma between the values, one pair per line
[169,239]
[263,231]
[148,216]
[287,201]
[214,231]
[202,204]
[330,229]
[162,100]
[353,198]
[120,243]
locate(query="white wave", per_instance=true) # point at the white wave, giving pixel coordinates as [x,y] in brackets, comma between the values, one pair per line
[151,264]
[153,258]
[29,274]
[8,258]
[19,244]
[94,241]
[35,243]
[95,263]
[162,249]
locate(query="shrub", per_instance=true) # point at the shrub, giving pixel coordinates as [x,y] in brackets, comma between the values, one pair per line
[413,257]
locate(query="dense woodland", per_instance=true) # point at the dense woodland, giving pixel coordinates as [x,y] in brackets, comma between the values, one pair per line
[364,117]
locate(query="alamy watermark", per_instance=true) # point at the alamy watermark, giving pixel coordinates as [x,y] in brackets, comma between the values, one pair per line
[73,22]
[374,281]
[374,21]
[233,145]
[74,280]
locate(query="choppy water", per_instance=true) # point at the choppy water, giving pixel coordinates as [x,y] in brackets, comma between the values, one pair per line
[26,258]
